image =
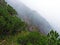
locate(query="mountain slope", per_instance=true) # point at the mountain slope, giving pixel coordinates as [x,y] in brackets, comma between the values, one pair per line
[13,31]
[30,16]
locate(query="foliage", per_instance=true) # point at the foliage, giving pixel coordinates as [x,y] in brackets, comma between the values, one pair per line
[35,38]
[53,38]
[9,22]
[11,10]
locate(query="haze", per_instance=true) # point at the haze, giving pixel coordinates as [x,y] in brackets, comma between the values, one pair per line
[49,9]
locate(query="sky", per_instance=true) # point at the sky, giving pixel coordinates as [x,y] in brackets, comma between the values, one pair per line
[49,9]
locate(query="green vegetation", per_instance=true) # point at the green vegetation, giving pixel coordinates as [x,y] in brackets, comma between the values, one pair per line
[13,31]
[35,38]
[9,22]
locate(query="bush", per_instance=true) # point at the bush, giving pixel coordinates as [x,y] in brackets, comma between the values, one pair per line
[9,22]
[53,38]
[11,10]
[33,38]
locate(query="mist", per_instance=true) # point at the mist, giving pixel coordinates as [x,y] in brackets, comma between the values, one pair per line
[49,9]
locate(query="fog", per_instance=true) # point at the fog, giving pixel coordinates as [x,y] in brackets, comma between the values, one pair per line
[49,9]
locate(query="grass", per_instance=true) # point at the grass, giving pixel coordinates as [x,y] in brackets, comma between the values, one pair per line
[12,40]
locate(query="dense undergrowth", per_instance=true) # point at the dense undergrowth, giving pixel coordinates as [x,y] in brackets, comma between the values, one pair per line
[13,31]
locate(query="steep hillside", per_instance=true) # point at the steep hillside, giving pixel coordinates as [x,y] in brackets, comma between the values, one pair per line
[13,31]
[30,16]
[9,22]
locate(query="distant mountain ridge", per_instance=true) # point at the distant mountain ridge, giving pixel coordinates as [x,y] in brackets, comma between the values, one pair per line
[31,17]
